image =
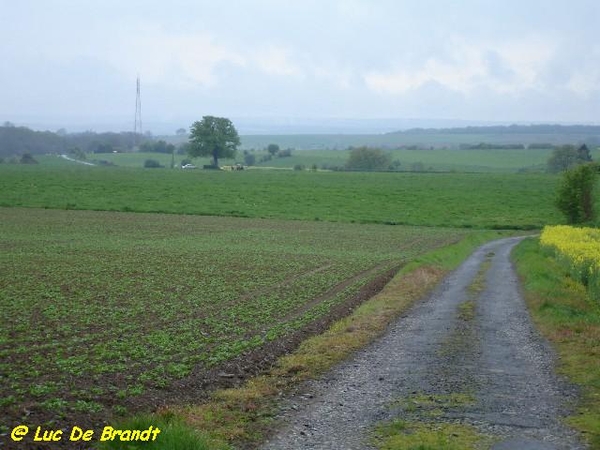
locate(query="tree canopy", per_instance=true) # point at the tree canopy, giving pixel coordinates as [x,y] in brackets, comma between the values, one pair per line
[273,149]
[365,158]
[215,137]
[20,140]
[567,156]
[159,146]
[575,193]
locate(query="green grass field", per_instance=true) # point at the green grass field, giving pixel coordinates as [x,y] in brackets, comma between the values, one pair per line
[108,304]
[520,201]
[394,140]
[437,160]
[104,310]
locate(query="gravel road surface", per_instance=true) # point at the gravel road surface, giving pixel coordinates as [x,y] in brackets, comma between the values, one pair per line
[469,349]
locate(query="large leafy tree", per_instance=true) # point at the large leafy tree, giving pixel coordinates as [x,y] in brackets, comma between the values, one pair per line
[215,137]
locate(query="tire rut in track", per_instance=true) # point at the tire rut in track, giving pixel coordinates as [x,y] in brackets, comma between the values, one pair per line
[375,271]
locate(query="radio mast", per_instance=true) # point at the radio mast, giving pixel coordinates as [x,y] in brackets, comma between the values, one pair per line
[137,125]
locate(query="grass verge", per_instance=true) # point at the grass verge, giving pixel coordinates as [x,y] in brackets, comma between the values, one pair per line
[402,435]
[172,434]
[565,315]
[243,417]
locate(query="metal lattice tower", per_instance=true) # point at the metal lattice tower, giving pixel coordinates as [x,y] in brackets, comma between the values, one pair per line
[137,125]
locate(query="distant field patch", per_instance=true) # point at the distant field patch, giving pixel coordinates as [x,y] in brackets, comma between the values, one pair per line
[424,138]
[476,200]
[435,159]
[104,312]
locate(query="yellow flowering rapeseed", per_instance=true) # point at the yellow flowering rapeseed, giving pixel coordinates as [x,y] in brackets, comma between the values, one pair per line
[578,249]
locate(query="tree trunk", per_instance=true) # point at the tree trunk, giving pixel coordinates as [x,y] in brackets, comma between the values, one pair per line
[215,158]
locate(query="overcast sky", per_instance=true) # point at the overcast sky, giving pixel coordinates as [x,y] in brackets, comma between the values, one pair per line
[509,60]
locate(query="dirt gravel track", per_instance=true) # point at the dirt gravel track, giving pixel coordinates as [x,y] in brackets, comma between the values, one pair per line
[469,350]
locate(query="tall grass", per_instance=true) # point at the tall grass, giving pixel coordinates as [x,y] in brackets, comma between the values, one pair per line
[562,310]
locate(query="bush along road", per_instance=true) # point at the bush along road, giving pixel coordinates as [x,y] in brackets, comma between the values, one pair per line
[464,368]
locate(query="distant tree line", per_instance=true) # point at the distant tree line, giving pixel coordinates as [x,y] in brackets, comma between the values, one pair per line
[490,146]
[90,142]
[17,141]
[567,157]
[159,146]
[21,140]
[540,145]
[272,151]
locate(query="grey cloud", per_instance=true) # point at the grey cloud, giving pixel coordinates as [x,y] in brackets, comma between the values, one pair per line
[65,56]
[498,68]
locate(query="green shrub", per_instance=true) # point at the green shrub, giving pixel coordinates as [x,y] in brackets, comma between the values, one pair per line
[151,164]
[575,194]
[28,159]
[365,158]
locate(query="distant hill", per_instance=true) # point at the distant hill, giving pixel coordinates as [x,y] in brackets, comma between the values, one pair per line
[510,129]
[17,140]
[494,136]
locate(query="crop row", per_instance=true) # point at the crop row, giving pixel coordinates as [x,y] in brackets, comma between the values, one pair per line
[98,308]
[578,249]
